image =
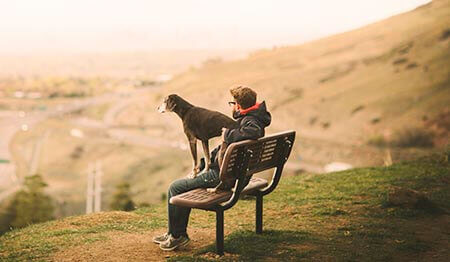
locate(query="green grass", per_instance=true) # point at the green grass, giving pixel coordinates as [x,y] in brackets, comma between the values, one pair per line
[339,216]
[40,240]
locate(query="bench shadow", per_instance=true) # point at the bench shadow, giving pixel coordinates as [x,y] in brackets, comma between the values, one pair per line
[282,245]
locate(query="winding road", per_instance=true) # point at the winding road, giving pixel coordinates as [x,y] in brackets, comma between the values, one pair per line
[12,122]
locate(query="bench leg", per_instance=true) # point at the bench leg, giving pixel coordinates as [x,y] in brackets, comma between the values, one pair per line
[259,213]
[219,232]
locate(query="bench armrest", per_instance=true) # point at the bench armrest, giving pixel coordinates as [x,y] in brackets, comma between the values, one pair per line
[240,183]
[278,170]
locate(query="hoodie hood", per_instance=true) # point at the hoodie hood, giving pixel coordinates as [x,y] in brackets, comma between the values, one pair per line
[259,111]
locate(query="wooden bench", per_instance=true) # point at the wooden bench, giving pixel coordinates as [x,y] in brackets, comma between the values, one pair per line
[241,161]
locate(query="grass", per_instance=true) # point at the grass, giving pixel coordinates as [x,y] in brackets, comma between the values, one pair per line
[37,241]
[339,216]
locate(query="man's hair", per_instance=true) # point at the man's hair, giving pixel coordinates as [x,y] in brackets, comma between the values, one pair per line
[244,96]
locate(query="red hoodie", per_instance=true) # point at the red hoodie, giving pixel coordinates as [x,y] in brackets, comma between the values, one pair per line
[245,111]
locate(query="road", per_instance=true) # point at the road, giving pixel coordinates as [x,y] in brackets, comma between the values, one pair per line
[12,122]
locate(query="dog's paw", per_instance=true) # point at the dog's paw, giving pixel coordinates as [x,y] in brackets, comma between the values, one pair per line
[192,174]
[211,190]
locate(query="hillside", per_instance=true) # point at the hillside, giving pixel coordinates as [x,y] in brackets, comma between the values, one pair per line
[376,81]
[344,216]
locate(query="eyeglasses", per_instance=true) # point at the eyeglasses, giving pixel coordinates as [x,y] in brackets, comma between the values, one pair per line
[231,103]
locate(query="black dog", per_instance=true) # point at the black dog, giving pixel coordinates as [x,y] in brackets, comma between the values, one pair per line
[198,123]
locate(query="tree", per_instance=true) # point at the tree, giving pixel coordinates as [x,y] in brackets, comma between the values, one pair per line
[29,205]
[122,198]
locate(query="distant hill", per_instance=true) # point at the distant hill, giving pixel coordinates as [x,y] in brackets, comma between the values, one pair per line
[354,87]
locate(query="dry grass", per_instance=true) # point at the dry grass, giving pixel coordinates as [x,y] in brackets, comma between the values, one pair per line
[365,68]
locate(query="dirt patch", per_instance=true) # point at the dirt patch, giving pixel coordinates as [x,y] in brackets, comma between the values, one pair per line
[434,231]
[405,197]
[408,198]
[94,219]
[122,246]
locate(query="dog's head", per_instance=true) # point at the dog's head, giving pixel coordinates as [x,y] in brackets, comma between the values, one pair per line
[169,104]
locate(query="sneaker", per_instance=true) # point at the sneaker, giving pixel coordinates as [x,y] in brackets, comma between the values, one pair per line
[173,243]
[160,239]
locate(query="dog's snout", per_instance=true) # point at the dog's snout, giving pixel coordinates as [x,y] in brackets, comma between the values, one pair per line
[162,108]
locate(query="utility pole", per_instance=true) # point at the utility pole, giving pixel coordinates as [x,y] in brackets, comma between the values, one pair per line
[90,189]
[94,188]
[98,186]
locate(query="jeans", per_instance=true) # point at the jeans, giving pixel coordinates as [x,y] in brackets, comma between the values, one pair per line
[179,216]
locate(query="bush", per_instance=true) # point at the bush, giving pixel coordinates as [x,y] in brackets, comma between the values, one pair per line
[377,141]
[122,198]
[28,206]
[413,137]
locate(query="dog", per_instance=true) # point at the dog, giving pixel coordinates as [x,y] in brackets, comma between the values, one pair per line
[198,124]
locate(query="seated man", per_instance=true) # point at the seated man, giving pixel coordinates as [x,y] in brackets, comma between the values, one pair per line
[252,118]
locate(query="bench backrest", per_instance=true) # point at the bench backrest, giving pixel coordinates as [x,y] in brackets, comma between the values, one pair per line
[252,156]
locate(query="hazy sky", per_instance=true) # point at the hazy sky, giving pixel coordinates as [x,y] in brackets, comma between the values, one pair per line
[27,25]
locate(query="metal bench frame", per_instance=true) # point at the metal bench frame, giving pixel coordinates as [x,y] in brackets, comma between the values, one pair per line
[242,160]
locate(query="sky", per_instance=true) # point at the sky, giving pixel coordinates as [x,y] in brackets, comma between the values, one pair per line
[86,25]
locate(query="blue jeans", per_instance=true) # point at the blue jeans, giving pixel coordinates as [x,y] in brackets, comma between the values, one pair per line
[179,216]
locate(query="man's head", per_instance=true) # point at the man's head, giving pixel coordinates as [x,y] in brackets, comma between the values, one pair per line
[244,96]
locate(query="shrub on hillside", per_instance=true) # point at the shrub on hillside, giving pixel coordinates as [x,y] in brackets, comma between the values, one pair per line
[378,141]
[122,198]
[28,206]
[413,137]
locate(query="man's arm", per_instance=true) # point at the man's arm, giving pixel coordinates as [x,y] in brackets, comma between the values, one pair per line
[250,129]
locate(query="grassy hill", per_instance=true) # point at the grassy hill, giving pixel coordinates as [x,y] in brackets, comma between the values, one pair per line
[346,216]
[375,81]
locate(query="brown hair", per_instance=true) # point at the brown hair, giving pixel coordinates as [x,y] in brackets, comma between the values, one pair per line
[244,96]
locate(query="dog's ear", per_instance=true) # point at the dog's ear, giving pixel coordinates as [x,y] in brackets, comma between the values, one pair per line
[171,102]
[174,97]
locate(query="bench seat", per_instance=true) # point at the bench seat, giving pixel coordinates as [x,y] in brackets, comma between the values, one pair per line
[200,198]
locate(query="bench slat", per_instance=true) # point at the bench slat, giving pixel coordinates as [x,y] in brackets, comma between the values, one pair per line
[267,152]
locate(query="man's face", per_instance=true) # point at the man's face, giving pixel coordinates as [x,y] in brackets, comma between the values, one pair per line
[235,107]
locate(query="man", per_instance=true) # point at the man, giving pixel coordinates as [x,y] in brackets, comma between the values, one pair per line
[252,118]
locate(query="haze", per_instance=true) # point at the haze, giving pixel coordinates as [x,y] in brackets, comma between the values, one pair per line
[50,25]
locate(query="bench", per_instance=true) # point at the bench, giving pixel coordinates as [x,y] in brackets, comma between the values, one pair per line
[242,160]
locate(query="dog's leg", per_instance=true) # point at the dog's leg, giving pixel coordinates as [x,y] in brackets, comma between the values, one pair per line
[205,145]
[193,146]
[223,149]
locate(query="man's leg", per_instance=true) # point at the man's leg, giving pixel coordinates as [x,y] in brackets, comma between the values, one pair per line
[179,216]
